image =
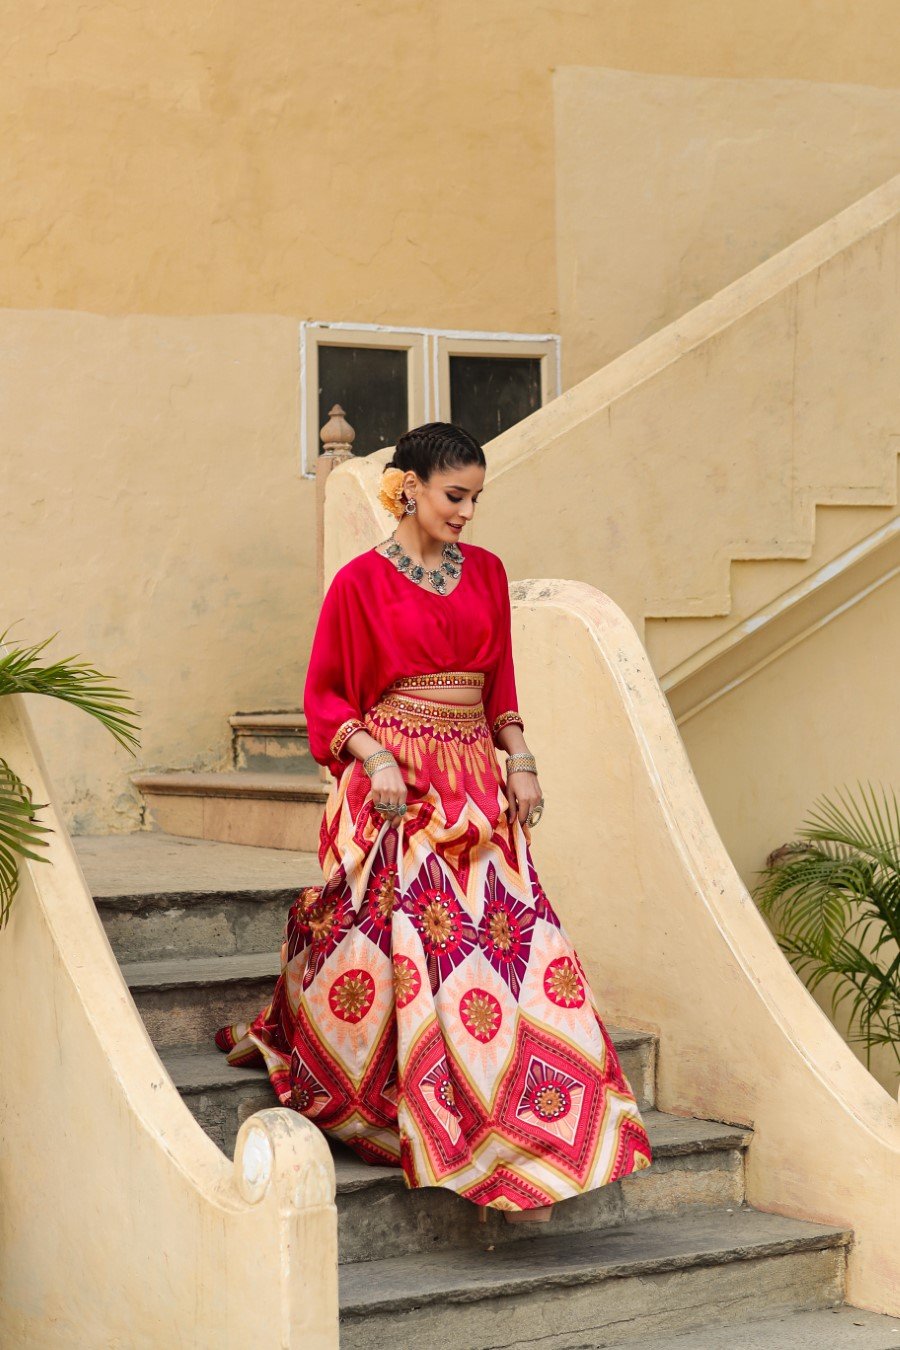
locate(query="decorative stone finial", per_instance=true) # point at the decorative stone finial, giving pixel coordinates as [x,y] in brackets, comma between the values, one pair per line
[337,435]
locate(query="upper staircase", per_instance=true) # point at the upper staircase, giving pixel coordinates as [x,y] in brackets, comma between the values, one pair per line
[773,602]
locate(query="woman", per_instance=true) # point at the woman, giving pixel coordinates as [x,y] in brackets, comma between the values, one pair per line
[432,1012]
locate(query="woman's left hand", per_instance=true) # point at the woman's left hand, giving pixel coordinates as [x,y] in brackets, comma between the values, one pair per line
[523,792]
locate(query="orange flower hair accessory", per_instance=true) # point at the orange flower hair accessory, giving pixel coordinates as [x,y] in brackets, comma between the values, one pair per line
[391,492]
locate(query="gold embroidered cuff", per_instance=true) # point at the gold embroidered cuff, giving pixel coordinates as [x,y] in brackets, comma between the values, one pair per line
[506,719]
[343,734]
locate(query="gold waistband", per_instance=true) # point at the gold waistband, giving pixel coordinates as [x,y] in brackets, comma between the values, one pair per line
[441,679]
[415,705]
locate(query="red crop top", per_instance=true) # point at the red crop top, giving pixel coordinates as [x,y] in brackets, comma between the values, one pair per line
[376,626]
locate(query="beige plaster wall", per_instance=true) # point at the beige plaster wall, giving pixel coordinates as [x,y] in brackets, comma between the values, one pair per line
[390,163]
[152,513]
[671,186]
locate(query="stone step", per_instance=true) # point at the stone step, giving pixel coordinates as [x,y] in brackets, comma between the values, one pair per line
[696,1163]
[270,810]
[272,742]
[210,1085]
[184,1001]
[219,1096]
[851,1328]
[161,896]
[638,1281]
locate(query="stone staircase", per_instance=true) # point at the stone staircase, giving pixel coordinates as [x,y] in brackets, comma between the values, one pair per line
[671,1257]
[195,916]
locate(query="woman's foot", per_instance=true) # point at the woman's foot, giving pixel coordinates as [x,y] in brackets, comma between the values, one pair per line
[234,1043]
[227,1037]
[540,1214]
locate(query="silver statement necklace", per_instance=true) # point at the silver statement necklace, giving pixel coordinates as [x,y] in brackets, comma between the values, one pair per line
[450,567]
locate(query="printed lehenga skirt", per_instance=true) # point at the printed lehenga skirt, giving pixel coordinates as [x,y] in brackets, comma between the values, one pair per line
[432,1012]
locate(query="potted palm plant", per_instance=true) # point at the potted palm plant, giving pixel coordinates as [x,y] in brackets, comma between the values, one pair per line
[833,896]
[74,681]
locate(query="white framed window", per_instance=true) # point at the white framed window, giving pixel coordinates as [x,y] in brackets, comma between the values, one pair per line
[389,379]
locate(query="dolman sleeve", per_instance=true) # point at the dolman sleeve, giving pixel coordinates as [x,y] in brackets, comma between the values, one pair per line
[501,704]
[334,691]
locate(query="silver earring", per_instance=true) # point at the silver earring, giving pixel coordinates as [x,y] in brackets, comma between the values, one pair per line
[410,506]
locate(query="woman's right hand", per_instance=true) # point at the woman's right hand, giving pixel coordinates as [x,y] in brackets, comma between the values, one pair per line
[388,788]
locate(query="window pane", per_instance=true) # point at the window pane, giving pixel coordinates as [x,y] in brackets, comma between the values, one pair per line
[370,384]
[490,393]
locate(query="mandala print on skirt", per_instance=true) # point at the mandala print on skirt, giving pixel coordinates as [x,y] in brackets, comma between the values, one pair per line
[432,1012]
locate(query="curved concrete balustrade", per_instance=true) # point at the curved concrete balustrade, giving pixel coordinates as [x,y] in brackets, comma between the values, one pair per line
[674,944]
[121,1223]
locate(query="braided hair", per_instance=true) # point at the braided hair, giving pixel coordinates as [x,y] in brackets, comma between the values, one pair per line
[436,447]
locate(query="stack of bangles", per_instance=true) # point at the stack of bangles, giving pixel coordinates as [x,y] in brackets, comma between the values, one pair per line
[383,759]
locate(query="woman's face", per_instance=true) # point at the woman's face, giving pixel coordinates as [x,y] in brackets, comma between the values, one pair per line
[446,503]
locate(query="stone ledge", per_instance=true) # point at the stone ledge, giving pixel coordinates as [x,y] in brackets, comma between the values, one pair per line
[200,972]
[244,785]
[148,867]
[269,724]
[820,1330]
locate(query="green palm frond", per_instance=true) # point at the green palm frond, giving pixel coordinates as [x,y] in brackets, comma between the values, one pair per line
[75,682]
[834,900]
[20,834]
